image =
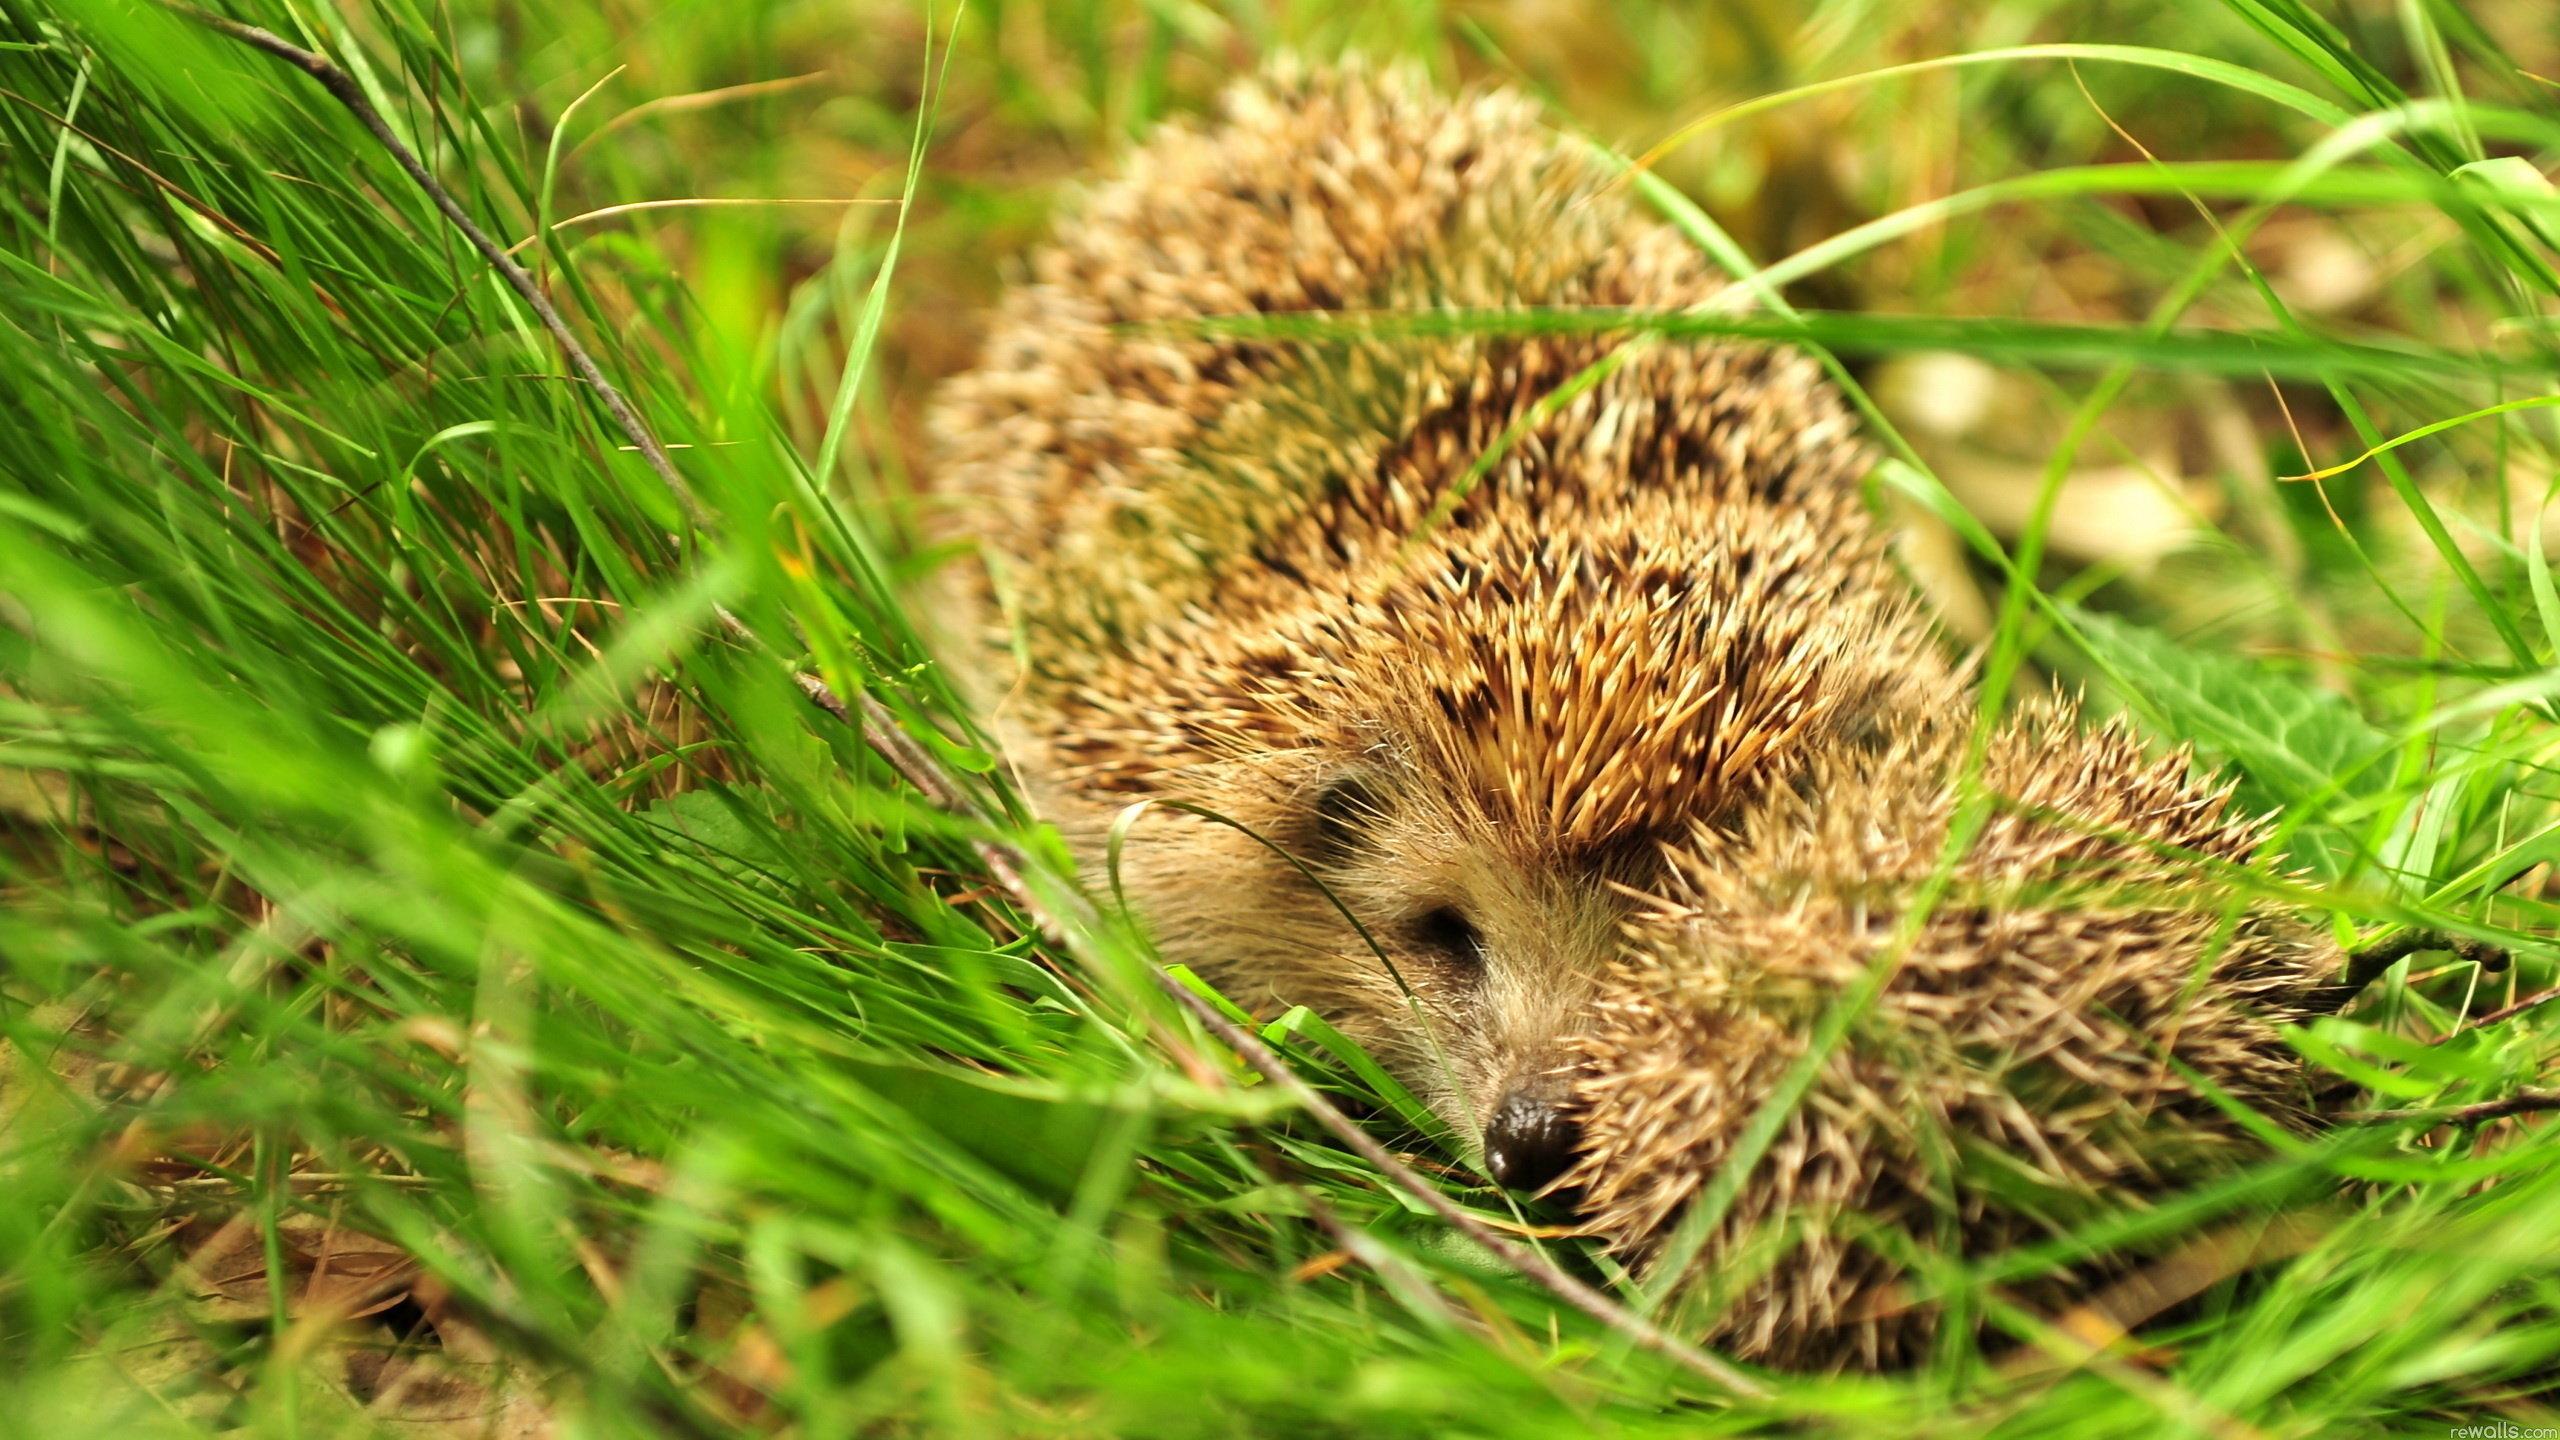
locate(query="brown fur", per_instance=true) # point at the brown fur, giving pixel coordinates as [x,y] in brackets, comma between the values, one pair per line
[1639,656]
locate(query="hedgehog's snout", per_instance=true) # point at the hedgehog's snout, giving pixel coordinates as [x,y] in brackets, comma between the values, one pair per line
[1530,1140]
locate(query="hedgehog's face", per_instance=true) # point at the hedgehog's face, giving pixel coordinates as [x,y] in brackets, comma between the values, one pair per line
[1493,941]
[1483,943]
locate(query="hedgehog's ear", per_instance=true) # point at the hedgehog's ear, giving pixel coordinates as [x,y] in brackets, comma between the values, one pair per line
[1636,857]
[1346,808]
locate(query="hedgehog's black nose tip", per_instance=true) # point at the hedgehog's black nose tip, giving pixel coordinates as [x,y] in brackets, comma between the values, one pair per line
[1529,1142]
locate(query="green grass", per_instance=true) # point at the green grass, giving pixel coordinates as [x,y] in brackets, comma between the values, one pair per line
[394,844]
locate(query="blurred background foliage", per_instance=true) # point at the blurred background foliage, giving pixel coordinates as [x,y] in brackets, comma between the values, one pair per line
[2175,497]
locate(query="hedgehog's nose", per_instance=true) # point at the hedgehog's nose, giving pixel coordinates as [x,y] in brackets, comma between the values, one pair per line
[1529,1142]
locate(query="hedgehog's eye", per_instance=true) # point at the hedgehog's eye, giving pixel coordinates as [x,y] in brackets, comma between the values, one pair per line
[1344,811]
[1450,936]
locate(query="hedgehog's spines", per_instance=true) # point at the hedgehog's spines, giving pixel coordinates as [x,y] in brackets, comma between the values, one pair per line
[2071,977]
[1659,624]
[1253,530]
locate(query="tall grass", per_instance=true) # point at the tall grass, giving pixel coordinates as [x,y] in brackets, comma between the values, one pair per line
[433,945]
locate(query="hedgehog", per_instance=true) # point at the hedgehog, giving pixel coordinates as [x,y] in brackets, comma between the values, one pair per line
[1471,668]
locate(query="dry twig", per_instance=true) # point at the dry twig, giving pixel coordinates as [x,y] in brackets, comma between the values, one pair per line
[2523,1102]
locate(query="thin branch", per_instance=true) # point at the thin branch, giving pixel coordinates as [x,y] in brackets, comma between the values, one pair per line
[2509,1012]
[2372,962]
[881,731]
[2523,1102]
[2368,964]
